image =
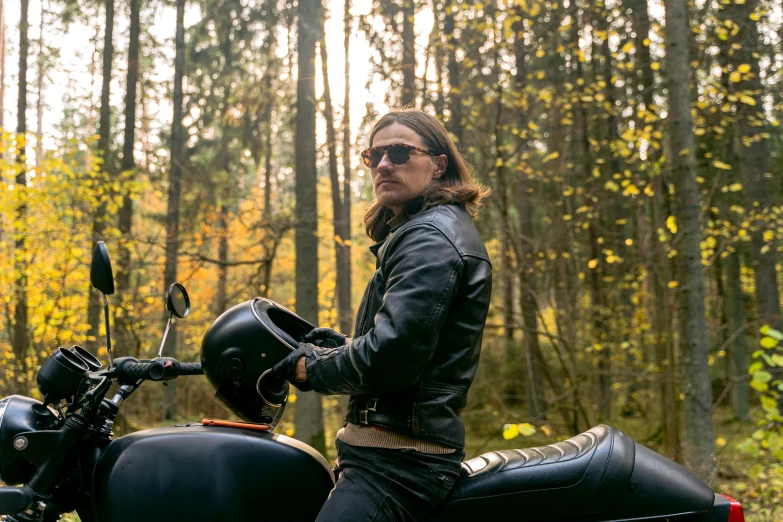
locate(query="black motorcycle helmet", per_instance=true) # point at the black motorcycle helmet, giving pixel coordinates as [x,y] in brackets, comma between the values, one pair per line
[241,347]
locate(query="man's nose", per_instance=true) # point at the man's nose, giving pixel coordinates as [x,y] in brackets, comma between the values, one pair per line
[385,165]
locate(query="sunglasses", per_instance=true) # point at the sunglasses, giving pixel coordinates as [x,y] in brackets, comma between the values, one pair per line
[398,154]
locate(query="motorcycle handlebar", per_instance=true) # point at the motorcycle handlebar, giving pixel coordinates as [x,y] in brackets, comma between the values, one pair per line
[130,370]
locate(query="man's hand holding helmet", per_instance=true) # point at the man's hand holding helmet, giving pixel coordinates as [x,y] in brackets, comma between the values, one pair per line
[292,367]
[325,338]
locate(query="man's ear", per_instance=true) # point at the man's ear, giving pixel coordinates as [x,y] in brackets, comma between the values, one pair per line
[441,162]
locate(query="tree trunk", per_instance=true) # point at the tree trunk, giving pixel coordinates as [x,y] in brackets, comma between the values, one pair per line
[737,350]
[221,301]
[309,411]
[526,262]
[514,390]
[39,103]
[698,439]
[172,211]
[3,38]
[122,323]
[345,285]
[104,141]
[408,54]
[21,340]
[753,154]
[455,95]
[439,105]
[658,264]
[342,261]
[267,213]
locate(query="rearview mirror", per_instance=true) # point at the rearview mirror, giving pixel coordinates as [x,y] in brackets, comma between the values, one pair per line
[101,275]
[177,300]
[177,303]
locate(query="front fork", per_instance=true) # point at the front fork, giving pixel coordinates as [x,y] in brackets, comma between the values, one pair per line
[50,473]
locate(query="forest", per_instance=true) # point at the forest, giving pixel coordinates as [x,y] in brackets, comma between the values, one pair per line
[635,225]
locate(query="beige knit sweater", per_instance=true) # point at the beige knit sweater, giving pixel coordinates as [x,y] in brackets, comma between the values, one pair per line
[372,437]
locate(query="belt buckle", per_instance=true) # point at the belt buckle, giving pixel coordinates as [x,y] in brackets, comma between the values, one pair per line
[372,404]
[363,417]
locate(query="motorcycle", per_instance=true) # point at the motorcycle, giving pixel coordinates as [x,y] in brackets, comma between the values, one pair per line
[60,455]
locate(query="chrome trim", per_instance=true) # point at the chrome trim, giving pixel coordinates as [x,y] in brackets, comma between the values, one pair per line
[294,443]
[268,328]
[258,391]
[3,406]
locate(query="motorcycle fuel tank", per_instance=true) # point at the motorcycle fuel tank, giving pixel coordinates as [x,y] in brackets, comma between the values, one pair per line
[209,474]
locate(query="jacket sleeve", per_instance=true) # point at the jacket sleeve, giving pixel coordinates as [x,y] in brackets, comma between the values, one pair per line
[423,270]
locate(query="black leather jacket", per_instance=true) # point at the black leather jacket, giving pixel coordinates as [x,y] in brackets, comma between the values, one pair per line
[418,331]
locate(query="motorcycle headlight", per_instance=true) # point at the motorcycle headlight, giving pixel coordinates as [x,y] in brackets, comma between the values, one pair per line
[17,415]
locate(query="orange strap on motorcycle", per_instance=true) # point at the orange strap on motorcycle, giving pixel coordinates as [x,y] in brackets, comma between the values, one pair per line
[240,425]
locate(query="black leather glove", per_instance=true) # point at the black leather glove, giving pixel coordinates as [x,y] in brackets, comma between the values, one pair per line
[285,370]
[324,337]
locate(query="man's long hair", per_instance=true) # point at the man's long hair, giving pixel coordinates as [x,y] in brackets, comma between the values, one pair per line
[455,186]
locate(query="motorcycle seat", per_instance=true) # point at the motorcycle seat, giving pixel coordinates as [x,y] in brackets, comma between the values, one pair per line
[598,475]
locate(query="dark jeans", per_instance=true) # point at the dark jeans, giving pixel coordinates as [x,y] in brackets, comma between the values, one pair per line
[388,485]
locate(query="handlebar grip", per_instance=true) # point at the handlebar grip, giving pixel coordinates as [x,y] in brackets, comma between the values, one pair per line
[190,369]
[153,371]
[130,370]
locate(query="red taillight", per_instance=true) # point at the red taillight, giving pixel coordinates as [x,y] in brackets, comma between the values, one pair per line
[735,510]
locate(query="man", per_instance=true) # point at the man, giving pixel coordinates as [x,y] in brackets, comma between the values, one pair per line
[418,330]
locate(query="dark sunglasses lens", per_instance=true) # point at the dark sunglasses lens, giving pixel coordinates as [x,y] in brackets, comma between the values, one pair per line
[372,157]
[399,154]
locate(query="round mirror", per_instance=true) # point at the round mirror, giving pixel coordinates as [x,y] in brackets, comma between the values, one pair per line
[177,300]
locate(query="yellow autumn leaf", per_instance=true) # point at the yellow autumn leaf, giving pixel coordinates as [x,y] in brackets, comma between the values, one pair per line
[743,68]
[673,284]
[655,66]
[735,187]
[735,77]
[510,431]
[592,264]
[671,224]
[649,191]
[551,156]
[768,235]
[720,441]
[526,429]
[720,165]
[747,100]
[768,342]
[612,186]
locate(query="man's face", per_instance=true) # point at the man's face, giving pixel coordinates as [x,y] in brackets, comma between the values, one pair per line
[395,185]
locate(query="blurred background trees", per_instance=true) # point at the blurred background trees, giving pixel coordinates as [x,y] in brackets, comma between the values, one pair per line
[635,226]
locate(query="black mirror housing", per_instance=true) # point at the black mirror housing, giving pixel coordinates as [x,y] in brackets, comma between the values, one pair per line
[101,275]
